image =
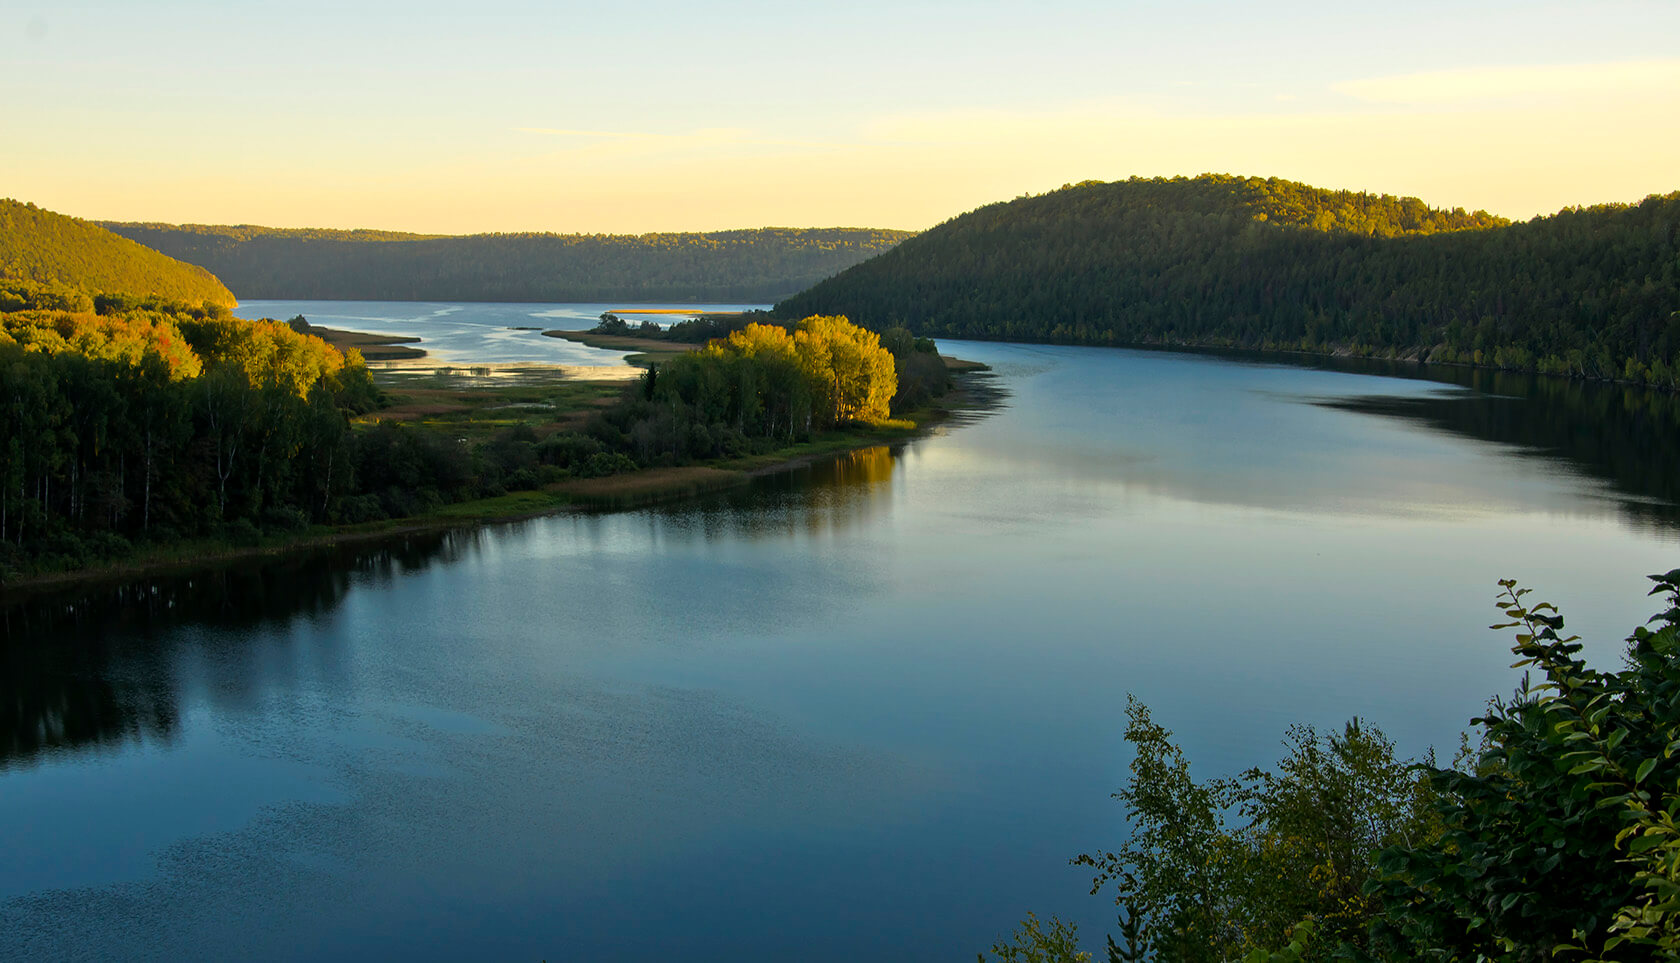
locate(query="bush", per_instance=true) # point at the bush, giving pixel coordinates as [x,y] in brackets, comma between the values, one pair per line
[606,463]
[1560,840]
[566,449]
[283,518]
[360,508]
[242,533]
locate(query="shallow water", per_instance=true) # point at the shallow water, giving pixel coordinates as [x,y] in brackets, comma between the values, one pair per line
[864,710]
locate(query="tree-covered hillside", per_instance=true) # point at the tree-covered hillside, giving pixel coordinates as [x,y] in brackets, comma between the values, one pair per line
[73,256]
[1223,260]
[747,265]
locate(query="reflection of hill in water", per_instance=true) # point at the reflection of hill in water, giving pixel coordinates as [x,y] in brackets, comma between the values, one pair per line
[1626,437]
[80,671]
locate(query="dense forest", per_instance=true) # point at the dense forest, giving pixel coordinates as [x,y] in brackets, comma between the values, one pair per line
[76,260]
[746,265]
[157,420]
[1246,262]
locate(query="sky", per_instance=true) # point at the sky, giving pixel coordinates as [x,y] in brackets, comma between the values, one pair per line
[641,116]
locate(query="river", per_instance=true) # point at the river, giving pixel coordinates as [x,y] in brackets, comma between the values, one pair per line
[865,710]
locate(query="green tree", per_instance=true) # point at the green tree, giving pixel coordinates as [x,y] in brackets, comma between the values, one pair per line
[1560,840]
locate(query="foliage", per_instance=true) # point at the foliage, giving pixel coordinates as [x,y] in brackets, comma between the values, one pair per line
[1560,842]
[1244,262]
[1032,943]
[66,257]
[1555,840]
[155,420]
[1217,870]
[761,387]
[152,421]
[745,265]
[696,330]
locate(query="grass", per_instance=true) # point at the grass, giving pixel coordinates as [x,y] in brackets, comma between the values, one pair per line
[475,409]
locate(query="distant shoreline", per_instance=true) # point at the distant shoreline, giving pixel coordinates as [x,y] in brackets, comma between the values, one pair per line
[688,311]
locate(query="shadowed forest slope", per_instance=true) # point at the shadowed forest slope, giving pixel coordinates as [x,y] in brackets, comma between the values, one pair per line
[1250,262]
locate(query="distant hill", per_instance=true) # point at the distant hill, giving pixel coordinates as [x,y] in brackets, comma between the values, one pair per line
[746,265]
[1267,263]
[52,249]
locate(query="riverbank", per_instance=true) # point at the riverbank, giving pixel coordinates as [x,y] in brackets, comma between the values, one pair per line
[636,489]
[373,347]
[641,351]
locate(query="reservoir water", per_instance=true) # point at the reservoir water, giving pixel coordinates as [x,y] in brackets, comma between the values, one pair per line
[865,710]
[481,333]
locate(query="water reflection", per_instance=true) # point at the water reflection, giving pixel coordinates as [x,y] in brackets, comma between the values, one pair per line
[1627,437]
[91,670]
[823,498]
[894,681]
[101,669]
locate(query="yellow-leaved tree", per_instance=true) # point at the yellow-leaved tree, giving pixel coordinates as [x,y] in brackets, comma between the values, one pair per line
[852,375]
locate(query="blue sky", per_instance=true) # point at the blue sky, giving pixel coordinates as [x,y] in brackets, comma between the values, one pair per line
[657,116]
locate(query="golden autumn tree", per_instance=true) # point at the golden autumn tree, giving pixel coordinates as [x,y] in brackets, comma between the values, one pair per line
[853,376]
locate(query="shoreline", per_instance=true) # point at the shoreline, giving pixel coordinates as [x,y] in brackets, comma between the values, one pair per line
[373,347]
[631,490]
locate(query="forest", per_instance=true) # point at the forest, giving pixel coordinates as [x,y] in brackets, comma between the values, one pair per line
[154,420]
[76,260]
[1219,260]
[146,422]
[743,265]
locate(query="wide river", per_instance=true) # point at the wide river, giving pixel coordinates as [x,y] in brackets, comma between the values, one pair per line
[866,710]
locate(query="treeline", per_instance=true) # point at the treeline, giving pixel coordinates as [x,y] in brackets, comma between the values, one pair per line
[1550,837]
[76,259]
[743,265]
[1271,264]
[149,422]
[154,420]
[696,330]
[766,386]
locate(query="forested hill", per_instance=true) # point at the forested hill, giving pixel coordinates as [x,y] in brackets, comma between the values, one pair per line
[75,256]
[1222,260]
[746,265]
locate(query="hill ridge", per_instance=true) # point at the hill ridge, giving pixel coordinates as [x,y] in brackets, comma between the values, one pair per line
[52,249]
[741,264]
[1589,292]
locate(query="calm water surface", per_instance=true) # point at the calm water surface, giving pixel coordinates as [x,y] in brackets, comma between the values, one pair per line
[481,332]
[863,711]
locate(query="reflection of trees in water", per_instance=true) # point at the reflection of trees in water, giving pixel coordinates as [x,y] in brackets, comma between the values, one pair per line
[98,668]
[825,497]
[1626,436]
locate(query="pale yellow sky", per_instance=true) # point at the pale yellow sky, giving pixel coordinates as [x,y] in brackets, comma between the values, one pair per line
[447,138]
